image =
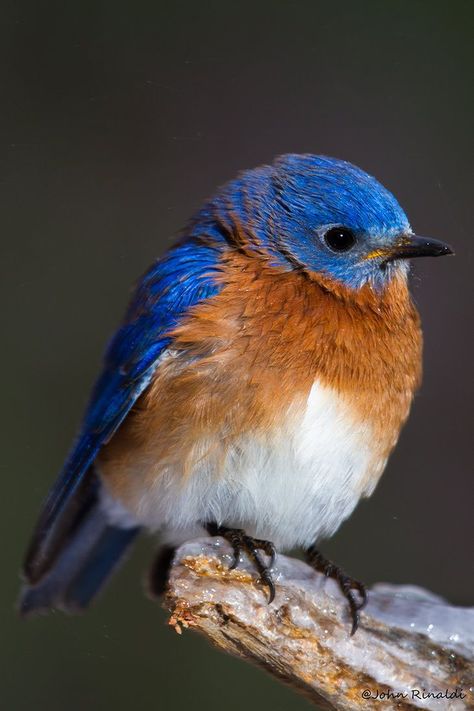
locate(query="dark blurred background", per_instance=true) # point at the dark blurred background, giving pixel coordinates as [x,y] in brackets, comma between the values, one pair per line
[117,120]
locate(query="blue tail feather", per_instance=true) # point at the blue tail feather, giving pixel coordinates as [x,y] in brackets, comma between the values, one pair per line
[91,551]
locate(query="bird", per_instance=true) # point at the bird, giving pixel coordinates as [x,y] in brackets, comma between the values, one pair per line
[254,389]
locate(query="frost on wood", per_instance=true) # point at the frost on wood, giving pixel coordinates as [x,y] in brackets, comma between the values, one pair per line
[409,641]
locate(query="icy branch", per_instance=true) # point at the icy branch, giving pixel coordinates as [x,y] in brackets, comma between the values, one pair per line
[410,642]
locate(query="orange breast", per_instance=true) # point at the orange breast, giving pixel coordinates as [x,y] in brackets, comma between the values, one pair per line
[245,359]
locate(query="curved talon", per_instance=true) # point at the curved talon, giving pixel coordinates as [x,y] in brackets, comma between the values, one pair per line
[267,547]
[354,615]
[239,541]
[354,610]
[347,584]
[267,580]
[348,587]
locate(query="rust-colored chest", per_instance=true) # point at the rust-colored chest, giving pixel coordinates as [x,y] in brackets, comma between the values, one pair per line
[270,335]
[246,359]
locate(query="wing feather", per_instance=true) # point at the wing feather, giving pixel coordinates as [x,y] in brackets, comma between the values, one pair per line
[182,278]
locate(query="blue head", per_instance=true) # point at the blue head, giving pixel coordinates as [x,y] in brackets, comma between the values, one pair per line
[322,215]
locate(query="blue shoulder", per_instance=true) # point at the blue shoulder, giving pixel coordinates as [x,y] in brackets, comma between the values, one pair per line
[179,280]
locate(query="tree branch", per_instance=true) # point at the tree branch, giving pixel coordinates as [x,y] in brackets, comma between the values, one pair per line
[409,642]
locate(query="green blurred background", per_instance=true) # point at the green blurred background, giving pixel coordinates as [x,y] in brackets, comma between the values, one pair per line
[117,120]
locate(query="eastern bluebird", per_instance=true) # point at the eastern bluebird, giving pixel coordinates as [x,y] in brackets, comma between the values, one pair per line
[255,388]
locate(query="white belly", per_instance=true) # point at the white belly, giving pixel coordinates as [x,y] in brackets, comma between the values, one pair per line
[292,487]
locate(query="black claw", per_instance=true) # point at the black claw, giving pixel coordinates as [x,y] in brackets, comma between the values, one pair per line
[267,580]
[355,623]
[347,584]
[354,612]
[239,542]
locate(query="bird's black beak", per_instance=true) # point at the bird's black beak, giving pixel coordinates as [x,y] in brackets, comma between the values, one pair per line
[413,246]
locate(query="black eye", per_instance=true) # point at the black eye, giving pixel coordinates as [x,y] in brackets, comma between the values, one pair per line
[340,239]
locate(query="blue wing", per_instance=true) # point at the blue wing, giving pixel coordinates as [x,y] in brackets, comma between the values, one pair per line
[181,279]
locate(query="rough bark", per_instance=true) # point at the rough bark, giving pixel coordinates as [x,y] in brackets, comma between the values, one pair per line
[410,642]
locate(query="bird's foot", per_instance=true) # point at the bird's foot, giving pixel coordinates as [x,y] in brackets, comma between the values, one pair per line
[347,584]
[239,541]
